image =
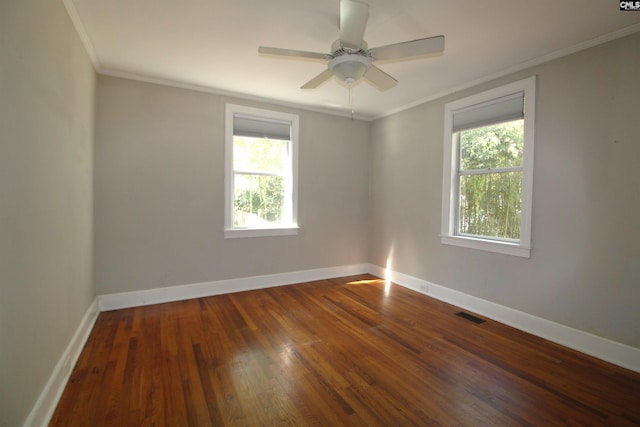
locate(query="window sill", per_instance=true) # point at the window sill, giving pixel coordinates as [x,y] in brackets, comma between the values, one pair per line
[504,248]
[239,233]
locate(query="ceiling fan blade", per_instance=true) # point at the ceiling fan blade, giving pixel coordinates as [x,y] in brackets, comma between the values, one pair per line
[318,80]
[293,53]
[353,21]
[379,78]
[418,47]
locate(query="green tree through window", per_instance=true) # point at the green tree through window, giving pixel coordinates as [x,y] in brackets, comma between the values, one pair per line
[260,173]
[490,180]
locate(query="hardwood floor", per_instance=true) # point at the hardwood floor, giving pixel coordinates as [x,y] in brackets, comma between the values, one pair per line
[347,351]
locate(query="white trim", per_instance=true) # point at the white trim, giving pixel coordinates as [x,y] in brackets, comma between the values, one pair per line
[602,348]
[623,32]
[47,402]
[500,247]
[239,233]
[449,167]
[290,226]
[221,92]
[198,290]
[631,29]
[82,33]
[77,23]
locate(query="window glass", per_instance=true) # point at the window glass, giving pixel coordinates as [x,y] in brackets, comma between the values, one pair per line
[496,146]
[260,154]
[490,205]
[490,180]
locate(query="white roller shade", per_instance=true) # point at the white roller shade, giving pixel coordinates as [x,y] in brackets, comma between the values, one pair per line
[261,128]
[498,110]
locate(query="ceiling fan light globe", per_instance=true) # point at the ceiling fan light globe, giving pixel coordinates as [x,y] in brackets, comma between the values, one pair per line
[349,68]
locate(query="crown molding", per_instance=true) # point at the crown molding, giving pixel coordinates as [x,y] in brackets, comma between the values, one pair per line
[626,31]
[100,69]
[221,92]
[82,33]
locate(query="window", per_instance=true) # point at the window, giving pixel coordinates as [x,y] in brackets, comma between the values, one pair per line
[261,169]
[488,170]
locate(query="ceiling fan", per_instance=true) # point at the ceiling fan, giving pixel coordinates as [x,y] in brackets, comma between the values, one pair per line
[351,59]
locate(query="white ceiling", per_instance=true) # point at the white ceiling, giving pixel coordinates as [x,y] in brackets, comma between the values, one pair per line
[213,44]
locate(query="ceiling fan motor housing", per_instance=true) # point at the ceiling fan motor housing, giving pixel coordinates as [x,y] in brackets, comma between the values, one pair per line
[349,65]
[338,49]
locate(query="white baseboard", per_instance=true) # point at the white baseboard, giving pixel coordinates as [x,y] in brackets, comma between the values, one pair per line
[611,351]
[48,400]
[593,345]
[602,348]
[199,290]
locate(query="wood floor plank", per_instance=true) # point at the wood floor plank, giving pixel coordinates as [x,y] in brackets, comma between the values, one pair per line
[344,351]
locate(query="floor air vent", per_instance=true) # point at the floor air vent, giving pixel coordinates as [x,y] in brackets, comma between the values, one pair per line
[470,317]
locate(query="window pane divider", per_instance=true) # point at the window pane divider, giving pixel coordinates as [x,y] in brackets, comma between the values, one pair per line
[489,170]
[490,238]
[260,173]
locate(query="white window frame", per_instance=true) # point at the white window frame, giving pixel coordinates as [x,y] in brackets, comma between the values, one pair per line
[289,228]
[521,248]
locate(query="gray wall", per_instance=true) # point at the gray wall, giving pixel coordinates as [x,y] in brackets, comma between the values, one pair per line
[159,172]
[368,192]
[46,133]
[585,266]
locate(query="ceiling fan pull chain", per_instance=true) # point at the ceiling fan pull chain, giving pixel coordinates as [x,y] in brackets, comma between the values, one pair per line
[351,100]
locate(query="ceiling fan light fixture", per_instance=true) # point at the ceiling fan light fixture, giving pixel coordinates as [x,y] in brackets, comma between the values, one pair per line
[350,68]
